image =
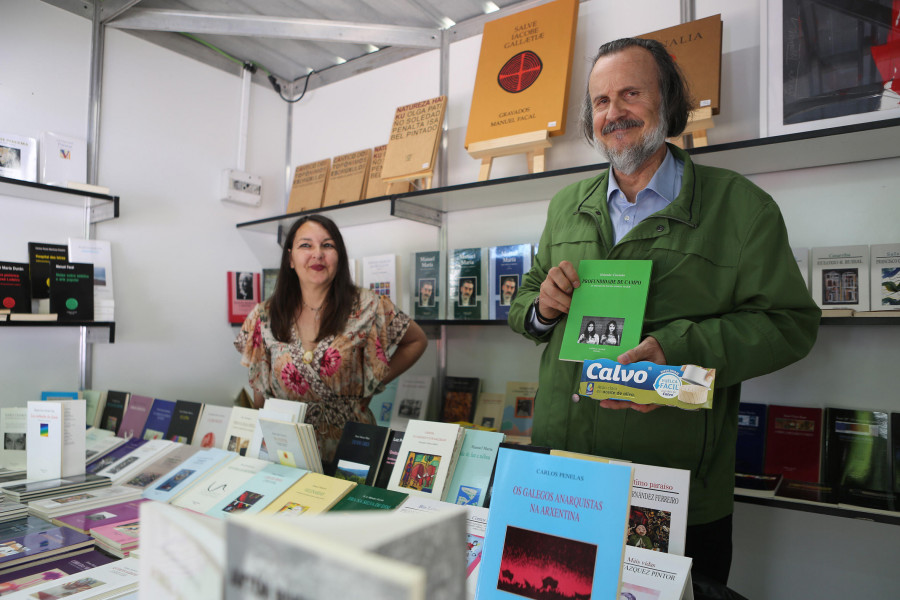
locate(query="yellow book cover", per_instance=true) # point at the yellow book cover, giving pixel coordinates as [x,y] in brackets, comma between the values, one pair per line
[375,185]
[313,493]
[347,180]
[524,72]
[308,188]
[415,136]
[697,48]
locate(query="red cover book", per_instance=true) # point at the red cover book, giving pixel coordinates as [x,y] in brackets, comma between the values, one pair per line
[794,442]
[243,294]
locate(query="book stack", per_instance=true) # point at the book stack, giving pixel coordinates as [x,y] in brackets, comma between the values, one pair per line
[39,546]
[119,539]
[50,508]
[117,579]
[54,569]
[36,490]
[86,520]
[10,511]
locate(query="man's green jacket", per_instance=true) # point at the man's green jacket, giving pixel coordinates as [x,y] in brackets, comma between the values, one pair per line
[725,292]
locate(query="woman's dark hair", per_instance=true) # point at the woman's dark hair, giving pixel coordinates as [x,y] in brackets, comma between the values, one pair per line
[673,88]
[614,324]
[591,325]
[287,296]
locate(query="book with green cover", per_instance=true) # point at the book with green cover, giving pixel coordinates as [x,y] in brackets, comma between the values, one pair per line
[607,311]
[467,283]
[367,497]
[426,288]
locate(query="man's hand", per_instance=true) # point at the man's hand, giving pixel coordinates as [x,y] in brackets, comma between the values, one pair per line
[650,350]
[556,290]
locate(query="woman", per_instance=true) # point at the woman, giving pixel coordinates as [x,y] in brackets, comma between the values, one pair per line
[589,335]
[611,337]
[321,340]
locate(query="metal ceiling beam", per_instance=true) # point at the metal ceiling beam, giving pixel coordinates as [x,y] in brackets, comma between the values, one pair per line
[110,9]
[276,27]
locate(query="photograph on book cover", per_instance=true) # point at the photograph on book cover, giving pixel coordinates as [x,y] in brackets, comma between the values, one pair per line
[828,63]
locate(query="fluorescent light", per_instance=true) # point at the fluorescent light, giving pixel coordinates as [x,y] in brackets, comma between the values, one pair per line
[490,7]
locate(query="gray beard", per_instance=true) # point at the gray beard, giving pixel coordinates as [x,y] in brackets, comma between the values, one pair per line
[628,160]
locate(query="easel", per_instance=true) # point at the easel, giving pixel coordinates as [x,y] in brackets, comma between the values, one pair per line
[699,122]
[419,181]
[532,144]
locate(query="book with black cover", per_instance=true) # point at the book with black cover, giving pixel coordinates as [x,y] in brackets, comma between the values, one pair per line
[395,440]
[458,399]
[523,448]
[857,454]
[15,289]
[113,410]
[751,438]
[359,453]
[39,256]
[72,291]
[184,421]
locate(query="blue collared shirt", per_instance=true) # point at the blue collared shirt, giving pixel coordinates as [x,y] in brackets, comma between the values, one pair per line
[662,189]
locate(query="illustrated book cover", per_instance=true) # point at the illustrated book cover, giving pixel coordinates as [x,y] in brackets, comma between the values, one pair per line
[427,285]
[63,159]
[113,410]
[32,547]
[518,409]
[607,312]
[98,253]
[489,410]
[426,459]
[524,71]
[395,440]
[18,156]
[15,287]
[379,274]
[466,280]
[312,494]
[183,476]
[166,461]
[382,403]
[840,277]
[555,522]
[885,277]
[412,400]
[211,427]
[219,483]
[243,294]
[263,488]
[158,419]
[360,452]
[84,521]
[472,474]
[507,266]
[458,399]
[72,291]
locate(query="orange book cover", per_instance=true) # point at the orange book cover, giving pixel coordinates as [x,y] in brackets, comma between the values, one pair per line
[347,180]
[697,48]
[308,188]
[415,136]
[524,72]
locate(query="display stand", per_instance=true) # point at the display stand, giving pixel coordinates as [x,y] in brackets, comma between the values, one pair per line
[699,122]
[532,144]
[419,181]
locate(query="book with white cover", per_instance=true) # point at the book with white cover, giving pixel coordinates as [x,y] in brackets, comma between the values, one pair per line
[13,429]
[840,277]
[99,442]
[112,580]
[274,409]
[209,490]
[377,555]
[48,508]
[379,274]
[182,477]
[885,276]
[426,460]
[659,502]
[55,439]
[126,466]
[18,156]
[241,425]
[211,427]
[412,401]
[63,159]
[182,554]
[657,575]
[291,444]
[258,492]
[99,254]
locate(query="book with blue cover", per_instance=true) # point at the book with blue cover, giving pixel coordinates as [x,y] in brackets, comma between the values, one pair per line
[159,419]
[556,525]
[473,468]
[750,457]
[40,545]
[184,475]
[109,458]
[507,266]
[382,404]
[259,491]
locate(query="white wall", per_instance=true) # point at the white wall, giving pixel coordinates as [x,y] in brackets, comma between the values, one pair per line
[169,126]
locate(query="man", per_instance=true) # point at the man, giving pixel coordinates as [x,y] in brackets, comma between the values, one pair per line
[426,293]
[507,290]
[466,289]
[725,291]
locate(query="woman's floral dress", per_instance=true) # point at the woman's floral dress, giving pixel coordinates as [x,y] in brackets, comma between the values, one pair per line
[345,370]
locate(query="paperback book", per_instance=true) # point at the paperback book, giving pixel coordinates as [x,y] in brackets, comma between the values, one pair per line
[515,448]
[72,291]
[113,410]
[656,575]
[466,283]
[857,450]
[211,426]
[360,452]
[145,477]
[367,497]
[751,439]
[458,399]
[241,425]
[28,577]
[472,473]
[219,483]
[415,137]
[885,276]
[183,476]
[489,410]
[840,277]
[607,312]
[49,508]
[99,463]
[507,266]
[412,400]
[243,294]
[263,488]
[98,253]
[18,156]
[518,409]
[557,523]
[55,439]
[40,255]
[29,549]
[63,159]
[312,494]
[794,442]
[111,580]
[135,416]
[184,421]
[347,180]
[15,287]
[308,187]
[426,459]
[84,521]
[427,298]
[132,463]
[13,431]
[379,274]
[395,440]
[382,404]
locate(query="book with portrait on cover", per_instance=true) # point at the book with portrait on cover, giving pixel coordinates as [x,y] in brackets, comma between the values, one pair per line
[507,266]
[243,294]
[427,285]
[607,312]
[466,283]
[555,523]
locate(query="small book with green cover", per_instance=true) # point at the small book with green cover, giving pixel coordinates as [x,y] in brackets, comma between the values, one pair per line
[607,311]
[367,497]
